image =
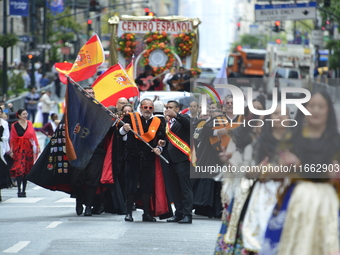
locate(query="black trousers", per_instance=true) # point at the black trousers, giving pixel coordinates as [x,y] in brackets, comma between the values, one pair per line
[91,174]
[181,187]
[142,172]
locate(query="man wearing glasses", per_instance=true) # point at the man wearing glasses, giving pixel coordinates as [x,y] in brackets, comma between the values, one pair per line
[229,109]
[140,159]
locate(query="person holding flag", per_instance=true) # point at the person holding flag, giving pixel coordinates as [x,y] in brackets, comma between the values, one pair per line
[140,160]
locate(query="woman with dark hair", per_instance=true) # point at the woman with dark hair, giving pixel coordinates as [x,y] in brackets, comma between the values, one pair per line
[306,218]
[24,150]
[250,199]
[49,128]
[127,108]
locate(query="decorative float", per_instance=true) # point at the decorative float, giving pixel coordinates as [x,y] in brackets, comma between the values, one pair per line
[161,42]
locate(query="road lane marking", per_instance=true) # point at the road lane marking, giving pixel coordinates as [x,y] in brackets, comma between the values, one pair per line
[54,224]
[36,206]
[17,247]
[66,200]
[26,200]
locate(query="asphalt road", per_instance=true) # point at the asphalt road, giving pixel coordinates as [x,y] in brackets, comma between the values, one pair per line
[45,222]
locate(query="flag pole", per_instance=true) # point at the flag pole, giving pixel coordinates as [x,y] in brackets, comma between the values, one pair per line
[113,115]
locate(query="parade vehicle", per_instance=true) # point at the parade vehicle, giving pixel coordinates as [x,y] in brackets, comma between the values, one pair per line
[245,68]
[284,77]
[288,65]
[290,55]
[160,42]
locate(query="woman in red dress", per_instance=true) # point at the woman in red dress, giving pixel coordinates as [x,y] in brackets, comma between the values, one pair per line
[24,150]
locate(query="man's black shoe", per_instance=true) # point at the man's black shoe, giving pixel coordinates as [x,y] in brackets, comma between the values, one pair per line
[148,217]
[79,208]
[187,219]
[175,218]
[128,217]
[98,210]
[88,211]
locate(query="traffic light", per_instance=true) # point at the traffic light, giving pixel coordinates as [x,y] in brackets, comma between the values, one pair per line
[282,26]
[146,11]
[94,6]
[239,47]
[30,56]
[276,27]
[238,24]
[278,41]
[89,28]
[327,3]
[89,24]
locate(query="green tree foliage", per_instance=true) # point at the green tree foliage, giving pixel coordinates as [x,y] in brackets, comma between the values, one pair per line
[248,41]
[333,45]
[256,42]
[16,83]
[61,29]
[8,40]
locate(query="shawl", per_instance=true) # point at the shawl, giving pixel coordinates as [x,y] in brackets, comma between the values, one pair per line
[29,134]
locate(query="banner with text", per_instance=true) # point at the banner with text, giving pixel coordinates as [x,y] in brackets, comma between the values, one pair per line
[153,26]
[18,7]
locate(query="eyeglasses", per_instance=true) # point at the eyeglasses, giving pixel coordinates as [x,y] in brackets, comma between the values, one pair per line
[169,107]
[145,107]
[229,103]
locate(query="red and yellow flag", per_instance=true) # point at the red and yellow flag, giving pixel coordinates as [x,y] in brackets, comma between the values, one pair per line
[129,70]
[63,66]
[114,84]
[89,58]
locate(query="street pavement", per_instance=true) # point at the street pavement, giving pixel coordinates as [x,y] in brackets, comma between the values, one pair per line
[45,222]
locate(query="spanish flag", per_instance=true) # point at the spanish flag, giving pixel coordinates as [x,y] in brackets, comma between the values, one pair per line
[114,84]
[89,58]
[63,66]
[129,70]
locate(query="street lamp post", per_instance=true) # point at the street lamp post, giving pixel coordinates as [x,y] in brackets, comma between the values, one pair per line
[4,63]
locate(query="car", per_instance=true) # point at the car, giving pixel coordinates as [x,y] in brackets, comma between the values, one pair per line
[284,77]
[209,72]
[184,98]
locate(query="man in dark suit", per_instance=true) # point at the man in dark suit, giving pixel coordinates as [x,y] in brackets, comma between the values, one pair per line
[180,81]
[140,159]
[178,147]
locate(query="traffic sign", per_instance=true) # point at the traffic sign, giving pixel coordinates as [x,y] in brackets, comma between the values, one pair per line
[25,38]
[317,37]
[336,34]
[266,12]
[44,46]
[33,52]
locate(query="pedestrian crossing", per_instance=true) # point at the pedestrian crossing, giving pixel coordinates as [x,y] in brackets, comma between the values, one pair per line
[22,200]
[36,196]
